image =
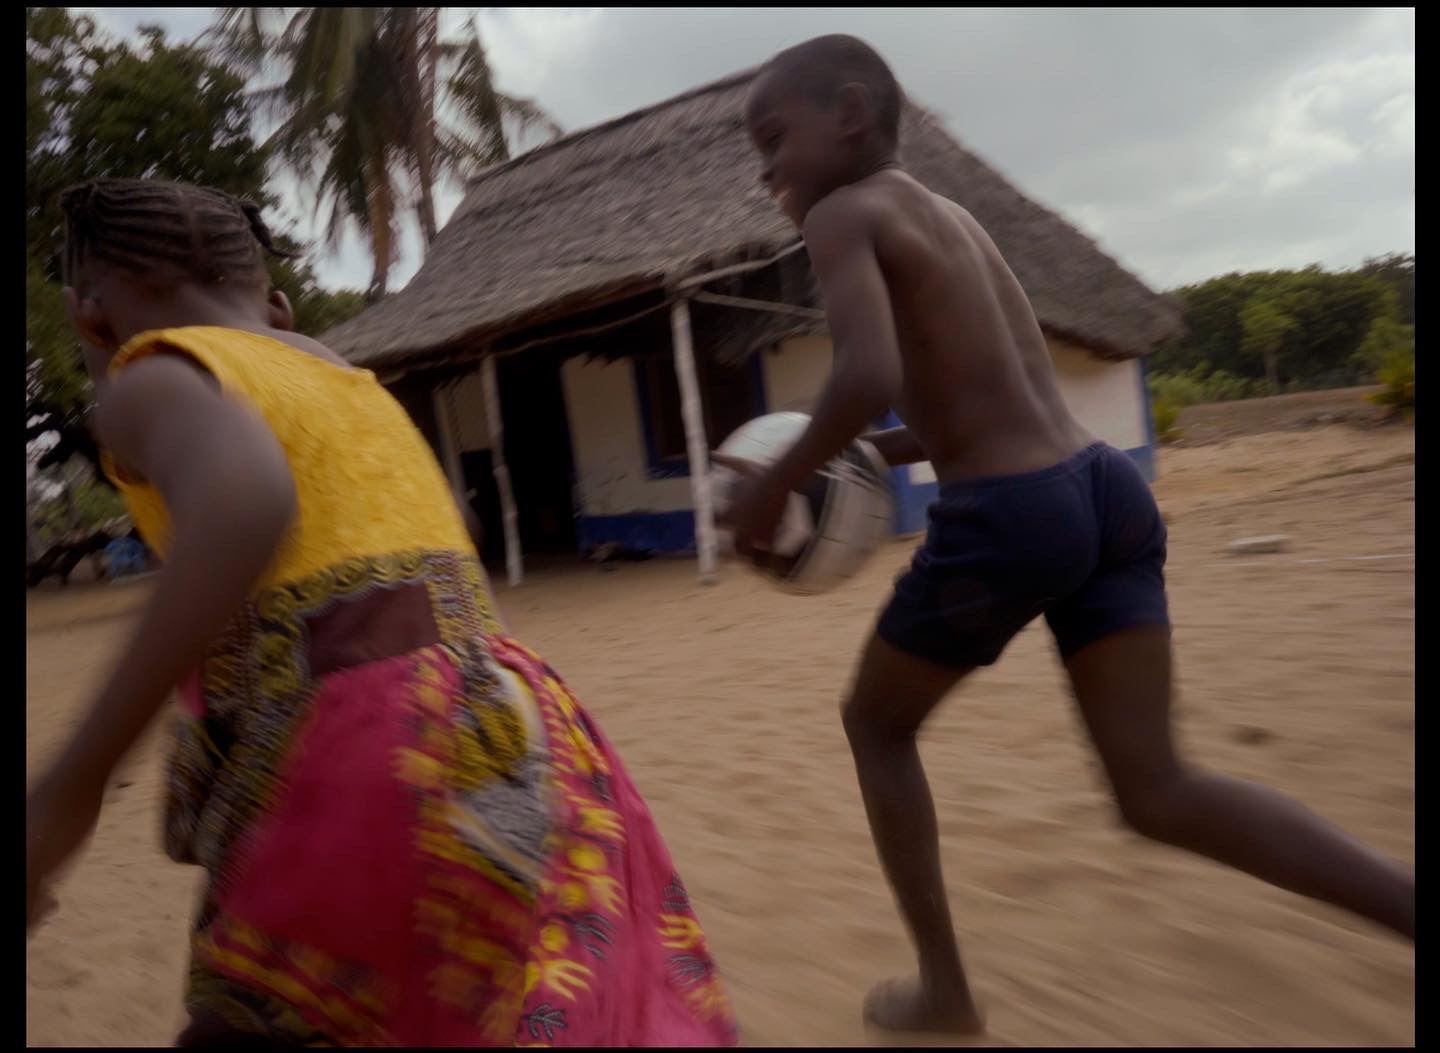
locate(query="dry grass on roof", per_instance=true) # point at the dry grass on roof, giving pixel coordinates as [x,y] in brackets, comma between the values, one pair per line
[673,190]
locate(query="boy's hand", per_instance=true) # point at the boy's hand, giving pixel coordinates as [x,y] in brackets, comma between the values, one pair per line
[756,504]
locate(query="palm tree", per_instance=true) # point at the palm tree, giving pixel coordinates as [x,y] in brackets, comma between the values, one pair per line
[359,109]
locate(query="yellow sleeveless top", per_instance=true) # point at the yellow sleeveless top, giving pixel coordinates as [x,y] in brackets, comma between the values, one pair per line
[366,480]
[377,564]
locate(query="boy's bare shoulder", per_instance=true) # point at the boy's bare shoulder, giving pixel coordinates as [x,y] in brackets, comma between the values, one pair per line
[849,207]
[878,206]
[857,212]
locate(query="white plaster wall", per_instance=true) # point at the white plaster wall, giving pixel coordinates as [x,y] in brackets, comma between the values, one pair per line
[795,374]
[609,445]
[1103,396]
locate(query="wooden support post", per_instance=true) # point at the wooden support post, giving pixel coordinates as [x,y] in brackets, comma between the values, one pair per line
[695,444]
[514,568]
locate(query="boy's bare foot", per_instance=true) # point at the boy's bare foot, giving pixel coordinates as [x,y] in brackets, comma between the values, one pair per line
[904,1005]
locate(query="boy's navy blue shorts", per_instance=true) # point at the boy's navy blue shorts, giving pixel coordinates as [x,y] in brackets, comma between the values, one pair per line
[1081,542]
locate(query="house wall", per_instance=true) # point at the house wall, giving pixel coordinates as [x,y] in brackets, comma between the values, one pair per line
[619,499]
[1104,396]
[1108,398]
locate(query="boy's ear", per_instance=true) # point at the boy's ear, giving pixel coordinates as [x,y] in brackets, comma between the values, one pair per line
[857,109]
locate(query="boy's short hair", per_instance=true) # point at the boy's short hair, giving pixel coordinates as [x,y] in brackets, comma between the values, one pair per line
[165,232]
[819,68]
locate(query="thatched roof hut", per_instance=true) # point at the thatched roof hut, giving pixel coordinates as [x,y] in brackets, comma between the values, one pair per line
[617,214]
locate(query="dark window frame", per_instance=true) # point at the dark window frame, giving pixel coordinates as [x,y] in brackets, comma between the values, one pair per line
[657,394]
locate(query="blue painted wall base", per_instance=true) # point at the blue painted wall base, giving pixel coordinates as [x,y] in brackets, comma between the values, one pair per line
[640,531]
[674,532]
[1145,455]
[1144,458]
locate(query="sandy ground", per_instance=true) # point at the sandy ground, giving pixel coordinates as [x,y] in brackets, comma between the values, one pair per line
[723,703]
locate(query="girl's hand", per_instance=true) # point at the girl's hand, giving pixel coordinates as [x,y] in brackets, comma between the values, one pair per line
[58,820]
[47,905]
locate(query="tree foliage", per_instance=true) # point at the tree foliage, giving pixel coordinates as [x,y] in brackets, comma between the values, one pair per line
[1291,329]
[1397,271]
[97,107]
[373,110]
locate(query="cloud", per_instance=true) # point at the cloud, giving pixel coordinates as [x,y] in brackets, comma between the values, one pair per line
[185,23]
[1340,113]
[1188,141]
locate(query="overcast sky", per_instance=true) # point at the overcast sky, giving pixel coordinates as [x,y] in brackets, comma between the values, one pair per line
[1188,142]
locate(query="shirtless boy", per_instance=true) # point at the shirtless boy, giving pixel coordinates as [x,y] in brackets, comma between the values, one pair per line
[1034,517]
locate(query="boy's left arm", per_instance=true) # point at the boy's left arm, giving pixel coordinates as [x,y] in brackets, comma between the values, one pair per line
[866,375]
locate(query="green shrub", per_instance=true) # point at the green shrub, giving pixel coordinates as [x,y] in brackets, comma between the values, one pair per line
[1221,386]
[1166,413]
[1397,381]
[1202,384]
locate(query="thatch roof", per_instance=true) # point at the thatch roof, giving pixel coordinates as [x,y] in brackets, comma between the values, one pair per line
[622,209]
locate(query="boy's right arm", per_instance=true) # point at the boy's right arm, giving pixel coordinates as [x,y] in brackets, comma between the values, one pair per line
[897,445]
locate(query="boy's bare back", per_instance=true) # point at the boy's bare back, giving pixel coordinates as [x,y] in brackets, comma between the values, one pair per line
[978,389]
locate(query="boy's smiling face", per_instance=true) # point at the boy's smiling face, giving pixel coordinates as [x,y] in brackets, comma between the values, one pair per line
[800,143]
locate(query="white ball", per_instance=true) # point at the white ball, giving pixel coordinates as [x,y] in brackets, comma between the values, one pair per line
[829,528]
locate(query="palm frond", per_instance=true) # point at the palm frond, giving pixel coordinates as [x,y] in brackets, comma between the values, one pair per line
[470,87]
[356,113]
[462,155]
[244,38]
[325,45]
[527,115]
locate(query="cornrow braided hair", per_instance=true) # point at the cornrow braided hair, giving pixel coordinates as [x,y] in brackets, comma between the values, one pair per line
[165,231]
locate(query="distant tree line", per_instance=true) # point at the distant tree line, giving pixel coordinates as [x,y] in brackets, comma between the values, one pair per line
[1269,332]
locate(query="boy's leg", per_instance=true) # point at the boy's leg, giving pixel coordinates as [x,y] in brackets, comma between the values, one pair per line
[1122,683]
[893,694]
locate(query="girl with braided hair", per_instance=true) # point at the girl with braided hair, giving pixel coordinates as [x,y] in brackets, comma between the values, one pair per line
[413,833]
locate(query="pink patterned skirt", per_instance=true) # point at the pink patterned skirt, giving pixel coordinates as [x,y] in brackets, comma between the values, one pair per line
[442,860]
